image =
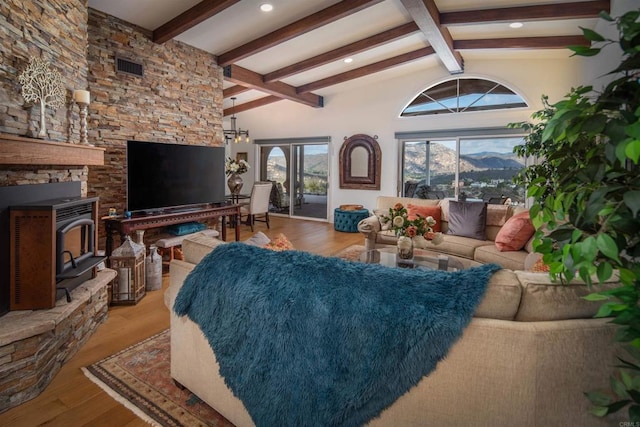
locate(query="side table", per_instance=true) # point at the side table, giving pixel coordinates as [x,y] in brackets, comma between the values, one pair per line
[347,220]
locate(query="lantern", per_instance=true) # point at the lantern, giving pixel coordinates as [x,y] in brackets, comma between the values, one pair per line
[128,261]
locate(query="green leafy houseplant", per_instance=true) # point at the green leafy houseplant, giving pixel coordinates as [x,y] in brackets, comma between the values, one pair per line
[587,197]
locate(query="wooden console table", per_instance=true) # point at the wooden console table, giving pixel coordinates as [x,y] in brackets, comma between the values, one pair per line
[125,226]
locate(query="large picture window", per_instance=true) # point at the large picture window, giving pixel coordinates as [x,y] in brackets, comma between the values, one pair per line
[478,167]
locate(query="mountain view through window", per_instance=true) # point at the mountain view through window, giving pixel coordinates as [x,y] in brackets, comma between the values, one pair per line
[482,171]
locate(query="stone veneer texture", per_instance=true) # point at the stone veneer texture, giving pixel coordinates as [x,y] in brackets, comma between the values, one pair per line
[35,344]
[57,31]
[178,100]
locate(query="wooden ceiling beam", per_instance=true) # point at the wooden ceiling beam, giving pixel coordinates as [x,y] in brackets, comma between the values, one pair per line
[251,79]
[557,42]
[233,90]
[344,51]
[251,105]
[578,10]
[367,69]
[302,26]
[190,18]
[425,13]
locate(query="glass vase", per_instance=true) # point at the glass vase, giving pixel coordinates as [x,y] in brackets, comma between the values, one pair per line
[405,248]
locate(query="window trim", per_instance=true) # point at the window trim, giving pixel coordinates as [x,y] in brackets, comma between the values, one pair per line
[464,110]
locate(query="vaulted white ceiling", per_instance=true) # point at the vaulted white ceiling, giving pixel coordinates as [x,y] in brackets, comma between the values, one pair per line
[240,23]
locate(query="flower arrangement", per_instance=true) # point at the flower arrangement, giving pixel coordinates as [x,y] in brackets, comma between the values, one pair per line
[416,231]
[232,166]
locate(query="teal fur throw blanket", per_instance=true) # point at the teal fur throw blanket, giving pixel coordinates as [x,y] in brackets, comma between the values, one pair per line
[306,340]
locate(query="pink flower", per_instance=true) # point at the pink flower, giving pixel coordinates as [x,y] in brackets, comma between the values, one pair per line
[411,231]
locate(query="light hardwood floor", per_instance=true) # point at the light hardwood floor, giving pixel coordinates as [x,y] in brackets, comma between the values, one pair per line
[72,400]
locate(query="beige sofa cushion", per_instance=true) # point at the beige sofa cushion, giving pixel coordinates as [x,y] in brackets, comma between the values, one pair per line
[513,260]
[502,298]
[460,246]
[387,237]
[543,299]
[195,247]
[497,216]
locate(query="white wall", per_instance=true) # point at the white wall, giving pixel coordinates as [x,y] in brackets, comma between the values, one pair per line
[598,67]
[374,108]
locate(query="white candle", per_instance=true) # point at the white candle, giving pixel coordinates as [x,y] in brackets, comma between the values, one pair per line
[124,283]
[81,96]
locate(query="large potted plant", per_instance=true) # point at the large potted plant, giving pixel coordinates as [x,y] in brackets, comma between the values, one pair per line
[586,190]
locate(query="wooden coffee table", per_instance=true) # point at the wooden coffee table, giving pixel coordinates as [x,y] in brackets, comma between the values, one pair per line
[422,259]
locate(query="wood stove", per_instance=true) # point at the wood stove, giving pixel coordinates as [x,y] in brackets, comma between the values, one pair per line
[52,250]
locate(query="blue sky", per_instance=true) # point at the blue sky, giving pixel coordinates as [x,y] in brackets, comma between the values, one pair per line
[492,145]
[308,149]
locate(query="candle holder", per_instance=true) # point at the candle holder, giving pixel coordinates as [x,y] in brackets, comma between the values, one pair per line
[129,261]
[83,123]
[82,98]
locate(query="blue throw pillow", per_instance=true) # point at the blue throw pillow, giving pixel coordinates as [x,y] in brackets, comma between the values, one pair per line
[186,228]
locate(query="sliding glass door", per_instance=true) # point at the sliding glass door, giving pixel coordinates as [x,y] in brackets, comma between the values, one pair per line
[299,172]
[310,170]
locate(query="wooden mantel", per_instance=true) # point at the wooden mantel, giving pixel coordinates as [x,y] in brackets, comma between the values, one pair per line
[20,150]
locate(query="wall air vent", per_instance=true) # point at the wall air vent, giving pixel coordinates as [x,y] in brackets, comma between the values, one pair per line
[129,67]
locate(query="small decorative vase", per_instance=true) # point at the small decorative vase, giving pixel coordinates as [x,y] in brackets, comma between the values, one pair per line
[140,237]
[153,269]
[235,183]
[405,248]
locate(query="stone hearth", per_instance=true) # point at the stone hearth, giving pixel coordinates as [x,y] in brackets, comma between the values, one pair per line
[34,344]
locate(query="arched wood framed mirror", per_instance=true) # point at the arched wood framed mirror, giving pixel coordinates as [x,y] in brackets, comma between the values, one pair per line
[360,163]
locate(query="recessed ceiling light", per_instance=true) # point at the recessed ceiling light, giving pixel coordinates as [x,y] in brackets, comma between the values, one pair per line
[516,25]
[266,7]
[348,60]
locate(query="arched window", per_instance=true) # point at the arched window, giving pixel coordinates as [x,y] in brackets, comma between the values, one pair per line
[461,95]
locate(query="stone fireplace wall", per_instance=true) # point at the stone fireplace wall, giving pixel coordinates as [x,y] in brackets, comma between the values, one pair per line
[178,100]
[42,28]
[55,30]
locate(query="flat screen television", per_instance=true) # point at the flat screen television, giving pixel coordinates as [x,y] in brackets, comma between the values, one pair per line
[164,176]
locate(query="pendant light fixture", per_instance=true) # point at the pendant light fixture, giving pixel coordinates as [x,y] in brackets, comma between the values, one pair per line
[235,134]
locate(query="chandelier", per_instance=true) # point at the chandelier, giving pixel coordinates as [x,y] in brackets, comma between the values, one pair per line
[234,133]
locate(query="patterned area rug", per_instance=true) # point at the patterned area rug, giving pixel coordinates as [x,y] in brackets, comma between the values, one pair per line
[351,253]
[139,378]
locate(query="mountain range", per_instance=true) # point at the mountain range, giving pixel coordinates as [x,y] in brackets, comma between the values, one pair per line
[443,160]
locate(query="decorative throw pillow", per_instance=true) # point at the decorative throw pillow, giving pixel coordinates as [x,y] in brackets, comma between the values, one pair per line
[515,233]
[467,219]
[540,267]
[280,243]
[424,211]
[185,228]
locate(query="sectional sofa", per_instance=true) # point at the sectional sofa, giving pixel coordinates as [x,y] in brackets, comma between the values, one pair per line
[469,250]
[529,354]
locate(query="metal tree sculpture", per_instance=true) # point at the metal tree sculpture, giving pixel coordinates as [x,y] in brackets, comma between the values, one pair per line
[39,83]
